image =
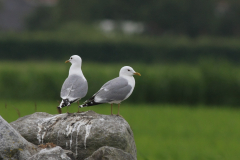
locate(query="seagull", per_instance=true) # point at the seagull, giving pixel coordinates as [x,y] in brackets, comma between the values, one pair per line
[75,86]
[116,90]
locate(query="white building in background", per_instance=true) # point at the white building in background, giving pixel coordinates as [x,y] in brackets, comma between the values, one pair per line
[107,26]
[14,12]
[127,27]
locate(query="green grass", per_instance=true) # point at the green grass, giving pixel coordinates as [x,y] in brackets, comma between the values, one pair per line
[207,82]
[164,132]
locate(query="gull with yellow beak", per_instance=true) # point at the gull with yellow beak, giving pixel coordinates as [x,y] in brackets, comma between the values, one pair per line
[75,86]
[115,90]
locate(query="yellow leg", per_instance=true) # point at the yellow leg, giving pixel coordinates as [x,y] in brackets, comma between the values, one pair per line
[118,109]
[59,110]
[111,110]
[78,107]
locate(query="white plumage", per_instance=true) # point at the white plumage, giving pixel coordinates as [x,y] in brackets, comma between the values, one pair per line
[75,86]
[115,90]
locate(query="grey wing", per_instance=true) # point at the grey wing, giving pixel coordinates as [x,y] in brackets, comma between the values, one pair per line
[114,90]
[74,87]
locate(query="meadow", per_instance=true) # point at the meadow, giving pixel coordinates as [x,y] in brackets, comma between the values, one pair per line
[163,132]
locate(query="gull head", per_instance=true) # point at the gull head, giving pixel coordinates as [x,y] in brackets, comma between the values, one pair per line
[74,59]
[128,71]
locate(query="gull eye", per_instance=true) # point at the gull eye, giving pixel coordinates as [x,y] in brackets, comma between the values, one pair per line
[71,58]
[128,69]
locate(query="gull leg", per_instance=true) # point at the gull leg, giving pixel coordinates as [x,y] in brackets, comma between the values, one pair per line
[78,107]
[111,109]
[118,109]
[67,109]
[59,110]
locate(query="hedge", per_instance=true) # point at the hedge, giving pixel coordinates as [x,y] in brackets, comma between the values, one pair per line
[149,50]
[208,82]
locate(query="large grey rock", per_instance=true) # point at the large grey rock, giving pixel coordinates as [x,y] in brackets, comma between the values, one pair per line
[12,144]
[82,133]
[70,154]
[56,153]
[110,153]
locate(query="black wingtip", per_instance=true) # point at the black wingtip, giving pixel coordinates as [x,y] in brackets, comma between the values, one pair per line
[89,103]
[64,103]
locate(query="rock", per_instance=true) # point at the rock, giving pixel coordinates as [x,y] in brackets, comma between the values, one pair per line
[56,153]
[28,125]
[110,153]
[82,133]
[70,154]
[12,144]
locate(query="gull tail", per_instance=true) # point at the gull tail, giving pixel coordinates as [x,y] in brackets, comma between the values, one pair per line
[89,103]
[64,103]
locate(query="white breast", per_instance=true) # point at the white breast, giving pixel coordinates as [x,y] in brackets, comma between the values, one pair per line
[76,69]
[131,82]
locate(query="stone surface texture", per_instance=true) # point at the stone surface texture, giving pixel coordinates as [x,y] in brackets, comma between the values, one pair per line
[82,133]
[12,144]
[110,153]
[56,153]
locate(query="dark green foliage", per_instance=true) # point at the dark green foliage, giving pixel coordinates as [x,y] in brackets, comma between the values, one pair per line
[114,50]
[43,19]
[174,17]
[209,82]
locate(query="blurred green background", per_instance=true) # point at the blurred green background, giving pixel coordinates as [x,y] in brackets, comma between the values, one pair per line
[185,106]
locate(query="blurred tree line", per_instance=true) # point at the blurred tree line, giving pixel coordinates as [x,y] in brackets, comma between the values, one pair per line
[207,82]
[174,17]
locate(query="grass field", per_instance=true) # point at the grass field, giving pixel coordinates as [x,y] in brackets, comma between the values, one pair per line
[164,132]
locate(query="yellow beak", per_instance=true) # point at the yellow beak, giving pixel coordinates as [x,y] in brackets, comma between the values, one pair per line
[67,61]
[137,74]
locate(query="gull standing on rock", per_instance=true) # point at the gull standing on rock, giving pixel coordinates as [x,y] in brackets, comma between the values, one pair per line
[75,86]
[115,90]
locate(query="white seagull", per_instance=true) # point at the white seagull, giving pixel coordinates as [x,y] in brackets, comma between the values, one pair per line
[115,90]
[75,86]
